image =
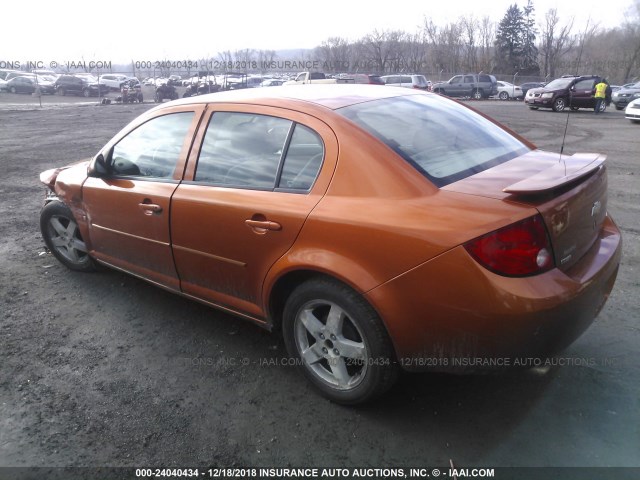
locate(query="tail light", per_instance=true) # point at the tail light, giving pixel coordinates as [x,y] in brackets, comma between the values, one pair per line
[517,250]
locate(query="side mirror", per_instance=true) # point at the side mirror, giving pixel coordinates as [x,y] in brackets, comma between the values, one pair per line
[98,168]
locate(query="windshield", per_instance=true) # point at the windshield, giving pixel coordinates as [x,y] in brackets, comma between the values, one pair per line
[443,140]
[559,83]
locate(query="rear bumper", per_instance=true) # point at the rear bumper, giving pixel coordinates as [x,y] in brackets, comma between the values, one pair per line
[450,314]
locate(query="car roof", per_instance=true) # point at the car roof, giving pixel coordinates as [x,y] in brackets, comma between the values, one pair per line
[329,96]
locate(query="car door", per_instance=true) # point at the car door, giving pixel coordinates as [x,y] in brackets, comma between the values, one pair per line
[128,207]
[582,93]
[259,173]
[455,87]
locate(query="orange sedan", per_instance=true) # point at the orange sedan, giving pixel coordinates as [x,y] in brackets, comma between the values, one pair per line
[377,228]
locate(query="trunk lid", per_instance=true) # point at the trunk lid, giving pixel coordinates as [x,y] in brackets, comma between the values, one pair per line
[570,192]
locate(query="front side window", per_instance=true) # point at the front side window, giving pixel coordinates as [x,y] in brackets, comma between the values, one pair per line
[443,140]
[457,79]
[153,149]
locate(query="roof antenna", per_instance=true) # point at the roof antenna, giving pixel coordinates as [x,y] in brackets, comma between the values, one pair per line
[566,126]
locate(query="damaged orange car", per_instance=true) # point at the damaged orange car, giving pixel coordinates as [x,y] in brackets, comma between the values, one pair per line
[377,228]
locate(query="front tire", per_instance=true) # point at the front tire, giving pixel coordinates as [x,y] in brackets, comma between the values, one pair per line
[61,91]
[62,236]
[559,104]
[86,92]
[342,344]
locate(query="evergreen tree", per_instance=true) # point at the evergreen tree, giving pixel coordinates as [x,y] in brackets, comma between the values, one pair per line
[516,49]
[529,50]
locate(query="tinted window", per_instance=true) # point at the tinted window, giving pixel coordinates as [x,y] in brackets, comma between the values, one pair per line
[443,140]
[484,78]
[241,149]
[303,160]
[152,149]
[585,84]
[469,79]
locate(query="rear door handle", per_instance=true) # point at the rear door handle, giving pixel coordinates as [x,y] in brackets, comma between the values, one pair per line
[261,226]
[149,208]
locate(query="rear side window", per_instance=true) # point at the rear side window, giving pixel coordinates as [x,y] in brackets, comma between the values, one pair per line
[484,78]
[243,150]
[443,140]
[303,160]
[586,84]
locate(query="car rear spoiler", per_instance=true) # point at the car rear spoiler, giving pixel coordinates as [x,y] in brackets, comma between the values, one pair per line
[569,169]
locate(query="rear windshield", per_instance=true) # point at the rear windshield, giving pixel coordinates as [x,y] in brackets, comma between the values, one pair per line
[443,140]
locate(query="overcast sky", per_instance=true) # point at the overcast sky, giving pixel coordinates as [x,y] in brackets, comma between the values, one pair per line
[134,30]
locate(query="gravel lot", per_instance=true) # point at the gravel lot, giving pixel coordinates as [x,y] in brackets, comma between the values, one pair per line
[106,370]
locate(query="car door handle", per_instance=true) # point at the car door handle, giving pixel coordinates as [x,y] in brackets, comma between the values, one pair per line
[261,226]
[150,208]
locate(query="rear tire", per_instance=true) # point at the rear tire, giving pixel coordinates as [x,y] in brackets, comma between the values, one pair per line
[477,95]
[61,91]
[340,341]
[62,237]
[503,96]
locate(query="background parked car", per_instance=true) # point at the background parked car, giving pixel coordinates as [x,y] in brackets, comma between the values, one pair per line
[113,81]
[529,85]
[3,85]
[408,81]
[43,82]
[21,85]
[469,85]
[370,79]
[508,90]
[272,82]
[624,95]
[565,92]
[79,86]
[5,72]
[632,112]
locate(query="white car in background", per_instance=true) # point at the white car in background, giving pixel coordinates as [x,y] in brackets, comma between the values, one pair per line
[507,91]
[632,112]
[408,81]
[113,81]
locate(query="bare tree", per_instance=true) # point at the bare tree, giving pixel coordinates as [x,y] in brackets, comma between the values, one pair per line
[335,54]
[382,49]
[557,41]
[632,30]
[487,33]
[469,26]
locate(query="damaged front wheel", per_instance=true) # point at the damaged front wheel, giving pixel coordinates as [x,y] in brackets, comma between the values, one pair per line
[62,236]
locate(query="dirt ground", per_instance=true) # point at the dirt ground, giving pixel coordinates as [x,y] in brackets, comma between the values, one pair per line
[106,370]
